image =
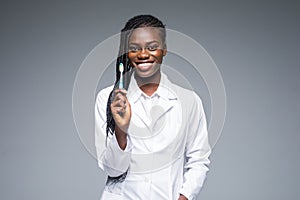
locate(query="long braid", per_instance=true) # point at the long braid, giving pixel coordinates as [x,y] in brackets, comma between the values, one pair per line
[133,23]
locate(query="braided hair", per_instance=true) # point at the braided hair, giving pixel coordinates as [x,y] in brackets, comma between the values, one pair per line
[133,23]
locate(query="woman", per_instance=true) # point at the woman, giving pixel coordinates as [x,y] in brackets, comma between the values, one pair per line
[157,143]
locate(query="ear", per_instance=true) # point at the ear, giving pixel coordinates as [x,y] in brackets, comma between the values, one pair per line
[164,51]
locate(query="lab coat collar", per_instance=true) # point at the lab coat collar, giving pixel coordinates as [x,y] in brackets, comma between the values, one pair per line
[164,89]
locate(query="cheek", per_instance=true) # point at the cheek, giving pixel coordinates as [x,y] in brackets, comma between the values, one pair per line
[158,54]
[130,56]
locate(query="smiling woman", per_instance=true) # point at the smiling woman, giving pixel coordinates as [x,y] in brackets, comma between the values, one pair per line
[157,143]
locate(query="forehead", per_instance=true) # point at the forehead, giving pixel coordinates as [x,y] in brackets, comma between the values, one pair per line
[145,34]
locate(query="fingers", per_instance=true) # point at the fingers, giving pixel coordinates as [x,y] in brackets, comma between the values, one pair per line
[119,104]
[120,108]
[120,98]
[119,92]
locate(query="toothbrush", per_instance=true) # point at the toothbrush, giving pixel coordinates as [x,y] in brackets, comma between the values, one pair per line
[121,70]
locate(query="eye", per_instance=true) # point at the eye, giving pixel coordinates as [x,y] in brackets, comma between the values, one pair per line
[133,48]
[152,47]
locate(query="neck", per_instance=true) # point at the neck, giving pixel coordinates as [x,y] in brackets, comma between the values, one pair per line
[150,84]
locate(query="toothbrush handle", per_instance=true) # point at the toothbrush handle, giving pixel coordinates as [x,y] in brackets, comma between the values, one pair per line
[121,82]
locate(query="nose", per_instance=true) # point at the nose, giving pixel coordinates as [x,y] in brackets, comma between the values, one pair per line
[143,54]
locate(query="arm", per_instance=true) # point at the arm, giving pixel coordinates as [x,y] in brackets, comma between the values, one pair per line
[113,152]
[197,152]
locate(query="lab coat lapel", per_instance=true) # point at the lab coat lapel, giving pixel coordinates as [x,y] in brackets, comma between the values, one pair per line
[159,111]
[167,99]
[140,112]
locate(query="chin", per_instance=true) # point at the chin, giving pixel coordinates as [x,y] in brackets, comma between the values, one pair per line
[147,74]
[144,74]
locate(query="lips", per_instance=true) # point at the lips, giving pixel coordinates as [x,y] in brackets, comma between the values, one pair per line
[144,66]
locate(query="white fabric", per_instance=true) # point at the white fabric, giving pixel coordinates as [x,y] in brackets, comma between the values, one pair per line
[167,145]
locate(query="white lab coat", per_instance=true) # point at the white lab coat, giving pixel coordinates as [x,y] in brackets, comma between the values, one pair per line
[167,150]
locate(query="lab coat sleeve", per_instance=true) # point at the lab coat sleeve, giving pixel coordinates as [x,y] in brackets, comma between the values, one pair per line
[197,151]
[111,158]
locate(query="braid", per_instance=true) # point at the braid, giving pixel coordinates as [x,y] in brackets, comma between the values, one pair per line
[133,23]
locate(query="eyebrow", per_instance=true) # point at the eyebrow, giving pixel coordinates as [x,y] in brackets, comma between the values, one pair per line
[154,41]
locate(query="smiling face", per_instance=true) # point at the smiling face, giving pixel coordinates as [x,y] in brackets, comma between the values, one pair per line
[146,52]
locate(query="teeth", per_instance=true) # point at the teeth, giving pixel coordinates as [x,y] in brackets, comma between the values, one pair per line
[144,64]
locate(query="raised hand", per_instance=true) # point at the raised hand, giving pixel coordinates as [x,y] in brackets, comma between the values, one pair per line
[121,112]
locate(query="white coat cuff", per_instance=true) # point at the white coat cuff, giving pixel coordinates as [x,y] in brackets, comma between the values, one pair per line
[186,194]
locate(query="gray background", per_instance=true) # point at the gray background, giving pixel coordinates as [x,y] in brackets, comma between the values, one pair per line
[255,44]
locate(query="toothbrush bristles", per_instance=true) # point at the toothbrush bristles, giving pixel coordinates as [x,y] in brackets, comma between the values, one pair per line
[121,67]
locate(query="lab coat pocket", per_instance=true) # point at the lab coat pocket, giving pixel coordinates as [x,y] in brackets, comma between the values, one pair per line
[110,196]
